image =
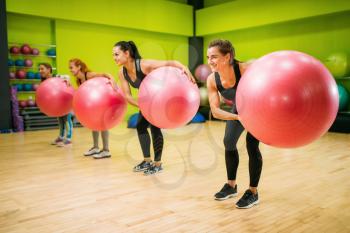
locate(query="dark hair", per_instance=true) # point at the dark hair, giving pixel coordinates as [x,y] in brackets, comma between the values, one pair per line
[129,46]
[47,66]
[78,62]
[224,47]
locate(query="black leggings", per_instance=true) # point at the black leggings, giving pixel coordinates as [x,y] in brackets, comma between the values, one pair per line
[145,140]
[233,131]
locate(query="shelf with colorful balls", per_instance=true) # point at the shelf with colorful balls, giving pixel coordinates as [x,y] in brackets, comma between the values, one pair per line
[23,63]
[29,102]
[338,63]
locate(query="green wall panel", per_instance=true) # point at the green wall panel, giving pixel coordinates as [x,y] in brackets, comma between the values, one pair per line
[151,15]
[243,14]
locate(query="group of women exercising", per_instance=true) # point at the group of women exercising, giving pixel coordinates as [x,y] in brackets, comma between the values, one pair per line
[225,76]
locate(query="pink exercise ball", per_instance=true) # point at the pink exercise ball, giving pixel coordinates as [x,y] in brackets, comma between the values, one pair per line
[28,63]
[202,72]
[167,99]
[26,49]
[12,75]
[35,51]
[98,104]
[22,103]
[287,99]
[21,74]
[15,50]
[31,103]
[54,97]
[35,86]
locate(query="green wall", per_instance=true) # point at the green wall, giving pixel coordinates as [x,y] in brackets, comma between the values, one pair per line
[34,30]
[209,3]
[244,14]
[151,15]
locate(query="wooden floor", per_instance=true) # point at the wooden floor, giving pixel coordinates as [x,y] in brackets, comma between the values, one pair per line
[48,189]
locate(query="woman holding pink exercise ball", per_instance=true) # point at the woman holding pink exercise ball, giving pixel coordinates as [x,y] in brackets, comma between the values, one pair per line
[134,70]
[82,73]
[226,75]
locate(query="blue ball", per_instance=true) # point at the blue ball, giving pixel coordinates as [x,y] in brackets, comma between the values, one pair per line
[19,87]
[51,52]
[38,76]
[10,62]
[132,122]
[198,118]
[28,87]
[19,62]
[30,75]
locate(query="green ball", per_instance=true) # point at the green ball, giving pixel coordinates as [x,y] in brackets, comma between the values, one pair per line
[343,97]
[338,64]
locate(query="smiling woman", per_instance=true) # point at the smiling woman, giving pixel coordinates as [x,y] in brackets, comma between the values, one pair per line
[226,75]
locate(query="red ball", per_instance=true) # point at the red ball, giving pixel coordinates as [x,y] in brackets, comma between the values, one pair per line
[202,72]
[22,103]
[21,74]
[287,99]
[25,49]
[98,104]
[54,97]
[167,99]
[15,50]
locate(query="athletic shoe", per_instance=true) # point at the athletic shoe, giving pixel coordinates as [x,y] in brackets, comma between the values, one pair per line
[226,192]
[57,141]
[102,155]
[248,200]
[153,170]
[144,165]
[92,151]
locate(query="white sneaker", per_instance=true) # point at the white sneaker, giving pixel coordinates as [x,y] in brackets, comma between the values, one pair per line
[103,154]
[92,151]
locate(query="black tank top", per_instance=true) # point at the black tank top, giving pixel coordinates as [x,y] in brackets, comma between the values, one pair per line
[43,79]
[229,93]
[139,75]
[85,79]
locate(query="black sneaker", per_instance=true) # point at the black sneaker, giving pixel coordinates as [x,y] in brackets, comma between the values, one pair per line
[144,165]
[153,170]
[248,200]
[226,192]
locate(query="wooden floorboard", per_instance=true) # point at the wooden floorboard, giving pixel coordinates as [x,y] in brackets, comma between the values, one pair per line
[44,188]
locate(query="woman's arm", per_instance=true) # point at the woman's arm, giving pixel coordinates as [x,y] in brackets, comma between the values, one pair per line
[149,65]
[214,101]
[126,89]
[90,75]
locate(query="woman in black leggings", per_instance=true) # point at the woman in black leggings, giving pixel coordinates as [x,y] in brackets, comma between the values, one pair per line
[224,80]
[134,69]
